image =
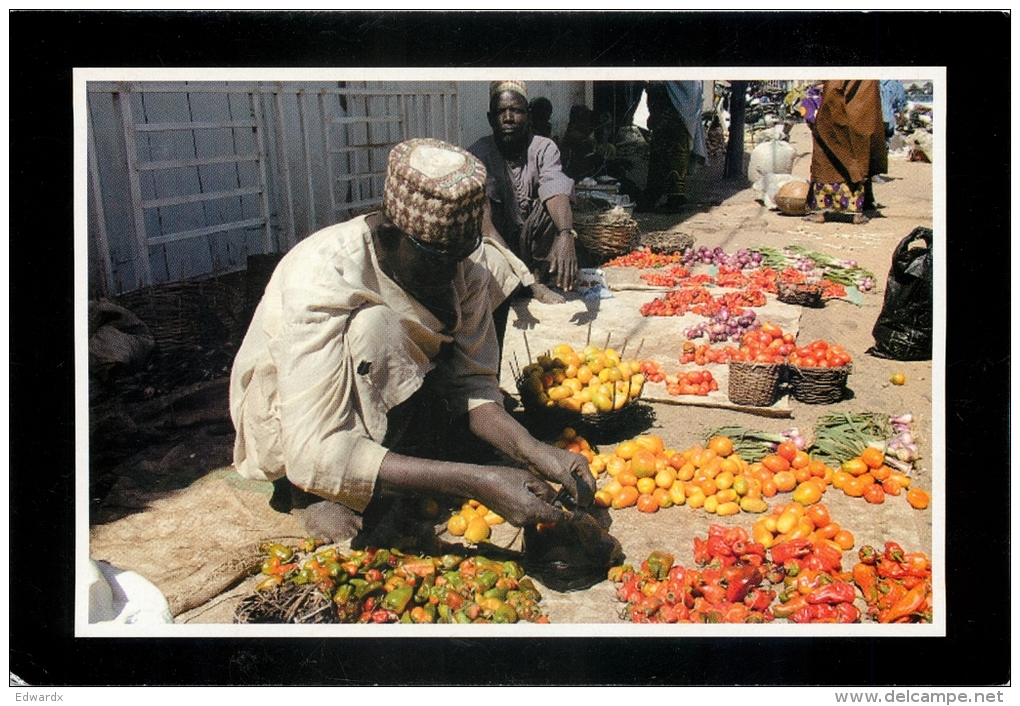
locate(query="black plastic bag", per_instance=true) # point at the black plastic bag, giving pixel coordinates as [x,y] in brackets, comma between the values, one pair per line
[572,555]
[903,330]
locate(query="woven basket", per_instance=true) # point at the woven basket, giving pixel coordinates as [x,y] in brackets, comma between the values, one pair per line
[819,385]
[607,234]
[600,428]
[666,242]
[754,384]
[809,295]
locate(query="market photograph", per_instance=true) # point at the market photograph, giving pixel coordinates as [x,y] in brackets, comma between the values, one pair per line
[374,357]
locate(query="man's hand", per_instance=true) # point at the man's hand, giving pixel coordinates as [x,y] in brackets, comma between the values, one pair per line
[543,294]
[568,469]
[563,261]
[517,495]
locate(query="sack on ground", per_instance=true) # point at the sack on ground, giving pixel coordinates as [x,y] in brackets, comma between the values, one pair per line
[903,330]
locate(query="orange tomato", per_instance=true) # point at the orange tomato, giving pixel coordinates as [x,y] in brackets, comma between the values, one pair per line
[646,485]
[839,479]
[615,465]
[881,473]
[800,460]
[845,539]
[665,478]
[855,466]
[651,442]
[785,481]
[807,493]
[686,471]
[677,461]
[721,445]
[701,458]
[646,503]
[724,480]
[828,531]
[769,488]
[628,496]
[627,449]
[918,499]
[854,487]
[873,457]
[802,474]
[776,463]
[874,494]
[627,479]
[891,487]
[662,497]
[603,498]
[819,514]
[787,450]
[708,487]
[642,464]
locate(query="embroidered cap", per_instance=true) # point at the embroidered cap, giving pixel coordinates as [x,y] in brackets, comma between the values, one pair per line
[497,87]
[435,192]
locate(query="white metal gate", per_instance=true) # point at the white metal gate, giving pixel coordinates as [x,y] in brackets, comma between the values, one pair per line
[186,179]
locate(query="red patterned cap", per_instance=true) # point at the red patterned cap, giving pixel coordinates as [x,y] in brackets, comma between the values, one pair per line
[435,192]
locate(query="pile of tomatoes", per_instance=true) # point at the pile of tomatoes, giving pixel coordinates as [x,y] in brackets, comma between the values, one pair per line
[768,344]
[694,382]
[867,476]
[797,521]
[819,354]
[644,258]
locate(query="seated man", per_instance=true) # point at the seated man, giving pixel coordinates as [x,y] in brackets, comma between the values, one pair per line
[528,211]
[372,342]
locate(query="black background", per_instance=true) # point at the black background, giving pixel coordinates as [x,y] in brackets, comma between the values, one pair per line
[45,47]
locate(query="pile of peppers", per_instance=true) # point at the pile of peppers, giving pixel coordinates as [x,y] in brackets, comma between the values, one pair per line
[383,586]
[896,584]
[799,580]
[725,589]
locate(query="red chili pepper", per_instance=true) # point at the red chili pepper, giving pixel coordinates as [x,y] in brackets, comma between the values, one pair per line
[792,549]
[917,564]
[717,547]
[644,608]
[912,602]
[738,586]
[889,593]
[758,599]
[833,593]
[753,549]
[848,613]
[713,593]
[373,575]
[819,613]
[735,535]
[893,552]
[384,616]
[669,614]
[735,613]
[701,553]
[830,556]
[867,555]
[890,569]
[866,579]
[788,608]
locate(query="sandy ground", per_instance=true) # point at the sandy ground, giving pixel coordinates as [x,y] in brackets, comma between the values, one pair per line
[723,213]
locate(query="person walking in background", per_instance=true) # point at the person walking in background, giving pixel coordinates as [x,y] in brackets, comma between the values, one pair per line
[848,148]
[894,103]
[677,144]
[541,109]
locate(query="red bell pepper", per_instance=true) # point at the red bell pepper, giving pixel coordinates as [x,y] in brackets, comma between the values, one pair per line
[738,586]
[833,593]
[792,549]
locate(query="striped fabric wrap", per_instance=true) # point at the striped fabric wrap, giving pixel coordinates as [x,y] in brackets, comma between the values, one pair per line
[435,192]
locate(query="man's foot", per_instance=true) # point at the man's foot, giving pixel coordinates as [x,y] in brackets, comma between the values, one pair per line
[544,295]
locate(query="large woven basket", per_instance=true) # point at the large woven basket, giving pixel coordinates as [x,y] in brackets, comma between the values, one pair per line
[819,385]
[666,242]
[600,428]
[754,384]
[606,234]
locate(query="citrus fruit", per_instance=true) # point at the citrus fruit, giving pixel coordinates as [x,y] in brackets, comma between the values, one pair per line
[898,378]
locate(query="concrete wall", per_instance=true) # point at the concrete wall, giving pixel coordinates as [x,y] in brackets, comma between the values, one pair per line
[473,98]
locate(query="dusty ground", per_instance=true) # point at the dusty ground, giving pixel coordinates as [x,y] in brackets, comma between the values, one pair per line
[149,494]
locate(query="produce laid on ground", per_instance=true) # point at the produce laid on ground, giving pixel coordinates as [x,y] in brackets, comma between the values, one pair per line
[320,585]
[473,522]
[741,580]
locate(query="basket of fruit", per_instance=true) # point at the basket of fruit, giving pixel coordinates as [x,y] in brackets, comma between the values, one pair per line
[808,294]
[754,384]
[591,390]
[818,373]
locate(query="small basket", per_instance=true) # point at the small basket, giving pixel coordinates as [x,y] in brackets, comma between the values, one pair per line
[809,295]
[819,385]
[754,384]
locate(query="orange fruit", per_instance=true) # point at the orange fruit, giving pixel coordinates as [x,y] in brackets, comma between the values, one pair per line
[873,457]
[651,442]
[477,530]
[776,463]
[603,498]
[800,460]
[721,445]
[807,493]
[646,485]
[819,515]
[769,488]
[854,487]
[785,481]
[677,461]
[787,450]
[627,449]
[891,487]
[701,458]
[628,496]
[677,493]
[918,499]
[665,478]
[662,497]
[724,480]
[855,466]
[844,539]
[730,465]
[456,525]
[627,479]
[898,378]
[492,519]
[646,503]
[686,471]
[802,474]
[874,494]
[642,464]
[881,473]
[839,479]
[828,531]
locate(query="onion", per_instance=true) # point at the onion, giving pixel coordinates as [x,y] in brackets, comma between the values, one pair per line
[903,419]
[903,454]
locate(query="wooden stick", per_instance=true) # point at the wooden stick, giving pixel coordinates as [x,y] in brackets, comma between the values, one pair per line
[637,355]
[624,349]
[608,337]
[526,346]
[587,341]
[517,366]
